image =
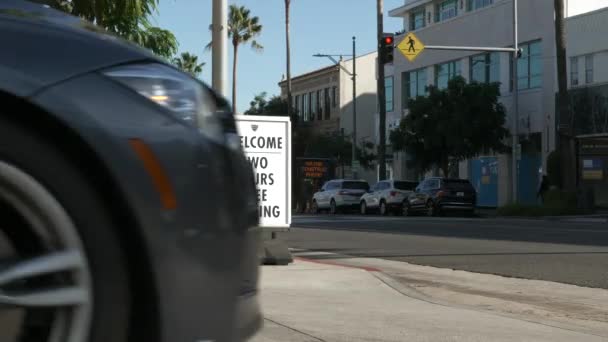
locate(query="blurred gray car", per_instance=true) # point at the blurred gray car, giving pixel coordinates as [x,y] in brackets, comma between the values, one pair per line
[339,194]
[108,159]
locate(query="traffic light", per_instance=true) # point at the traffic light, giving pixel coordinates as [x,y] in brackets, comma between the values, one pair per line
[387,46]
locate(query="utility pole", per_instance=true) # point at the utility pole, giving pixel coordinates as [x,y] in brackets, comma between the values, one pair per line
[354,151]
[219,49]
[565,130]
[381,95]
[288,58]
[516,151]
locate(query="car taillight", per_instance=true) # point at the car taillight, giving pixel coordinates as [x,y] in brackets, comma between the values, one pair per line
[393,193]
[442,193]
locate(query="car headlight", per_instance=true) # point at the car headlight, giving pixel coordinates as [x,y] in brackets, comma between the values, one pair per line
[182,96]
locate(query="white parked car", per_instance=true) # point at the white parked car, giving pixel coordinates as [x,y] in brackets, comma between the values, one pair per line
[339,194]
[386,196]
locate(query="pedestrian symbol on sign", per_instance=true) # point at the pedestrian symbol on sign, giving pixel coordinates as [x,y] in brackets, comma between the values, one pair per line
[410,46]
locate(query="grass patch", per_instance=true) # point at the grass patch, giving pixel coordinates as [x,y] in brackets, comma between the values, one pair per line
[557,203]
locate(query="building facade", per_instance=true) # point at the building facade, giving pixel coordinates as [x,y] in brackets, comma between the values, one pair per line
[324,101]
[587,52]
[484,23]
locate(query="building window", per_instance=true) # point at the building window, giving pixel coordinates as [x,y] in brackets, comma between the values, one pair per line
[445,72]
[446,9]
[485,68]
[417,19]
[530,66]
[327,103]
[573,71]
[313,105]
[334,97]
[319,105]
[477,4]
[589,69]
[413,84]
[388,88]
[296,105]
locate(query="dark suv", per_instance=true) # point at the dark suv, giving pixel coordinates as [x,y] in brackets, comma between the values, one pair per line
[436,196]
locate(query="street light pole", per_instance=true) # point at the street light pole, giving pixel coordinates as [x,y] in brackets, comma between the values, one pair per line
[219,49]
[354,151]
[381,96]
[516,148]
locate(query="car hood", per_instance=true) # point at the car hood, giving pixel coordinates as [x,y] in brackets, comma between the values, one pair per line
[46,46]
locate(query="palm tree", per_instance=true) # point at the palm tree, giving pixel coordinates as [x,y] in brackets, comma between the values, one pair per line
[128,19]
[188,62]
[242,29]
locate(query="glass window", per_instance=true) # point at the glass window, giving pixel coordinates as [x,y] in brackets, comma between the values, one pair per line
[408,186]
[477,4]
[313,105]
[445,72]
[326,103]
[308,106]
[485,68]
[388,86]
[296,105]
[574,71]
[446,9]
[433,184]
[413,84]
[417,19]
[334,97]
[319,104]
[589,69]
[529,66]
[355,185]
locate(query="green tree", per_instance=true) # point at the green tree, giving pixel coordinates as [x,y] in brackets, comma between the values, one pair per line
[242,29]
[338,148]
[452,124]
[188,62]
[128,19]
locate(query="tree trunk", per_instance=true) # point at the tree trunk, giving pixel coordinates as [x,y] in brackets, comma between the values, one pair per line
[565,128]
[234,62]
[288,60]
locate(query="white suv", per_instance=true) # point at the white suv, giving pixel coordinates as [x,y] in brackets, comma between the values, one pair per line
[339,194]
[386,196]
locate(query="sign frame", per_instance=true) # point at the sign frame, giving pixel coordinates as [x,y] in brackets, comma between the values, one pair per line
[260,120]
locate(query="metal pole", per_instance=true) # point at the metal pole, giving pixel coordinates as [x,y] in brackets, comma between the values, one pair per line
[220,47]
[381,96]
[515,156]
[354,152]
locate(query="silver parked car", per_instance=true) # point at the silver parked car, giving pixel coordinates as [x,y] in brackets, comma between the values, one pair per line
[339,194]
[386,196]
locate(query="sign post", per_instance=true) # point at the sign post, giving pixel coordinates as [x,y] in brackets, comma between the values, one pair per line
[266,141]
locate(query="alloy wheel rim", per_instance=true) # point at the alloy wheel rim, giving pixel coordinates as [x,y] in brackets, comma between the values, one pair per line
[56,278]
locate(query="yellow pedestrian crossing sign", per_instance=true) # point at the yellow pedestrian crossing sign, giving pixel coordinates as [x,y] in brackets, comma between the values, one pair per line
[411,46]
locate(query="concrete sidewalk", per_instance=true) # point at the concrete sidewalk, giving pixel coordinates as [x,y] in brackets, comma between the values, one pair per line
[311,301]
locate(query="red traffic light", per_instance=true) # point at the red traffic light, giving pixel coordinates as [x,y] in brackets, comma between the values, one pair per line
[388,40]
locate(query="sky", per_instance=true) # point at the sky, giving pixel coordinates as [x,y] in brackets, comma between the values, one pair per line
[317,26]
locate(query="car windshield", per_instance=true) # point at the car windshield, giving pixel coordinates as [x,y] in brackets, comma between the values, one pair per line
[355,186]
[408,186]
[457,185]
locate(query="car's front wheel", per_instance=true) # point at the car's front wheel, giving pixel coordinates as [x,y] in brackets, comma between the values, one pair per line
[333,208]
[363,208]
[63,274]
[383,208]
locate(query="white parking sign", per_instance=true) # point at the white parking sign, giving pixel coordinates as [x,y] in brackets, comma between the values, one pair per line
[266,141]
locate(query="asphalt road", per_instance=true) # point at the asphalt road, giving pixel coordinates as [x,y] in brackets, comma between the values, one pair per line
[571,251]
